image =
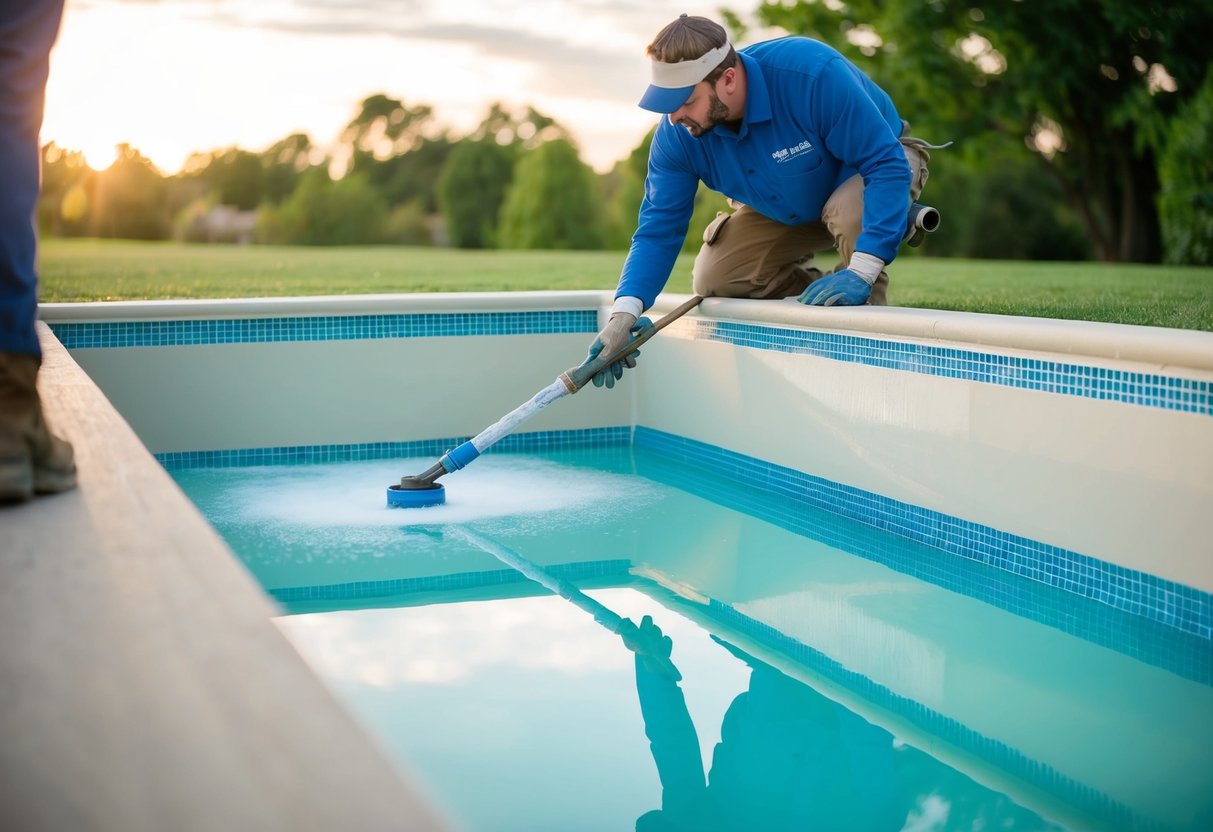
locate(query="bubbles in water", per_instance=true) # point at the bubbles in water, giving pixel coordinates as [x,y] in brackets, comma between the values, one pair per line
[355,494]
[323,514]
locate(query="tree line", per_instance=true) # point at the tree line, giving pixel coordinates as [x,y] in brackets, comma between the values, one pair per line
[1084,139]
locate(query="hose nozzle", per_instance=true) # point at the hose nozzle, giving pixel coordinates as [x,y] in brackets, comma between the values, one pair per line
[424,480]
[921,221]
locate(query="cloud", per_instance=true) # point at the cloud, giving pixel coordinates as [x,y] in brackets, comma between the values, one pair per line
[580,49]
[559,66]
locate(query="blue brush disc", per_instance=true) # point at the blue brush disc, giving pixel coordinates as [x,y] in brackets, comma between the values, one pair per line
[398,497]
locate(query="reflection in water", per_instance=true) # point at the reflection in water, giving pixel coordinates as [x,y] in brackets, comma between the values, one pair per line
[483,698]
[790,758]
[446,645]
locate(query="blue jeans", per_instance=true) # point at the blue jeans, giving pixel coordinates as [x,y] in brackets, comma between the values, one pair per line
[27,30]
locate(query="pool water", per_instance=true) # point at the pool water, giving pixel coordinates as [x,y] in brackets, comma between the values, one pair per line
[832,676]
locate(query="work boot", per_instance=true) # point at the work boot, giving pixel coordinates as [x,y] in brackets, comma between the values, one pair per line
[32,460]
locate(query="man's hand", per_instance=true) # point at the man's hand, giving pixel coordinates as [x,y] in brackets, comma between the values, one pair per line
[843,288]
[846,287]
[617,334]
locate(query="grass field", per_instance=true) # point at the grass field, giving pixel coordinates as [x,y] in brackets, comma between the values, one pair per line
[104,270]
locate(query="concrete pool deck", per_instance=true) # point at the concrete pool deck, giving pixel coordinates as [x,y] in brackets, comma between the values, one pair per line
[145,686]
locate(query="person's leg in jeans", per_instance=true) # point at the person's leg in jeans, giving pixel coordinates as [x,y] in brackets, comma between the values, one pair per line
[32,460]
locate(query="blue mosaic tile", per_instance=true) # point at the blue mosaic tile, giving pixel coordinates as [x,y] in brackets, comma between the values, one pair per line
[1069,611]
[322,328]
[1022,372]
[1169,603]
[533,442]
[1157,609]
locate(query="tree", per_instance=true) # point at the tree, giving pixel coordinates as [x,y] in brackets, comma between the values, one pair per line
[235,177]
[1185,205]
[553,202]
[324,212]
[283,164]
[130,200]
[399,151]
[68,184]
[627,192]
[529,129]
[412,177]
[472,188]
[1090,85]
[480,168]
[383,128]
[998,202]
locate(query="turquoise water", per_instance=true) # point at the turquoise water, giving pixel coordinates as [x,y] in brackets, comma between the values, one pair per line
[832,676]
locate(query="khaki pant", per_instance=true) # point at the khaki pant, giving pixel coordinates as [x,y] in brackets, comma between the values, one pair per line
[747,255]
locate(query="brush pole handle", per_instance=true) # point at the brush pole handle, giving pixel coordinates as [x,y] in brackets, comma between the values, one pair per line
[575,378]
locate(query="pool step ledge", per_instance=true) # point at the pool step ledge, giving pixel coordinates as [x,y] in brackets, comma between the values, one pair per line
[145,686]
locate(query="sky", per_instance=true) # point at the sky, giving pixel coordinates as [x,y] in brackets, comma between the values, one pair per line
[178,76]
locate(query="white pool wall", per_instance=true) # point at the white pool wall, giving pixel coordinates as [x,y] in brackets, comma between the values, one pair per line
[1126,483]
[284,393]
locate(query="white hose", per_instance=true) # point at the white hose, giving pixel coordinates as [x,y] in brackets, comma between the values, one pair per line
[505,425]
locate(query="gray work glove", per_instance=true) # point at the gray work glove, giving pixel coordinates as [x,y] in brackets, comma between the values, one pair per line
[618,333]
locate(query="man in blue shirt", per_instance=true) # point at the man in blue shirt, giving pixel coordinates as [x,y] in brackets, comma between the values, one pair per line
[32,460]
[811,154]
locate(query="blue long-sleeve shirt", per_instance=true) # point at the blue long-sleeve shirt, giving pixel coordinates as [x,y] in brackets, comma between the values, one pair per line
[812,120]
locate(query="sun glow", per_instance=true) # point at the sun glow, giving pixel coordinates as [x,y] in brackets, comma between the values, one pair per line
[168,85]
[174,78]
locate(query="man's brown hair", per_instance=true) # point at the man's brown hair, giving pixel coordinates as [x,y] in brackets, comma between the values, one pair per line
[688,38]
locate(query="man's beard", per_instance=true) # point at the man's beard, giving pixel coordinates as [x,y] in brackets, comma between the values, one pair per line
[717,113]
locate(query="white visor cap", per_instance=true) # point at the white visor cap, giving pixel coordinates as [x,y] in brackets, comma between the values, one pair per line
[673,82]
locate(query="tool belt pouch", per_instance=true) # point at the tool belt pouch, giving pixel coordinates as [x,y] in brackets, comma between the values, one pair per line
[715,227]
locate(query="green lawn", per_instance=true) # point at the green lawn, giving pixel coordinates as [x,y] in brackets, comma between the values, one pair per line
[100,270]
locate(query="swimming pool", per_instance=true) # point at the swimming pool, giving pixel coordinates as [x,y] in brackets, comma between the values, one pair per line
[829,670]
[1031,496]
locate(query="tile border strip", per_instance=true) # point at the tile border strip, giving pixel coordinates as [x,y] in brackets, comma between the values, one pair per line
[534,442]
[1069,378]
[1167,602]
[196,332]
[1073,378]
[1081,616]
[1127,591]
[1130,591]
[362,590]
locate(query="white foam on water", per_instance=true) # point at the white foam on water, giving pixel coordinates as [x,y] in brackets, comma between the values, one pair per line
[354,495]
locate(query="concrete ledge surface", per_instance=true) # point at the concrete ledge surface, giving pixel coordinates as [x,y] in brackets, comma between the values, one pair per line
[1155,347]
[143,685]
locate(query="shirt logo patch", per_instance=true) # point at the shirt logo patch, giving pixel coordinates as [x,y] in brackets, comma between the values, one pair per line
[790,153]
